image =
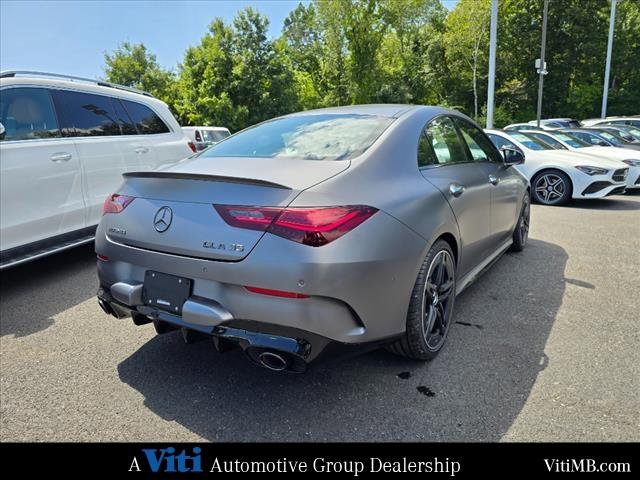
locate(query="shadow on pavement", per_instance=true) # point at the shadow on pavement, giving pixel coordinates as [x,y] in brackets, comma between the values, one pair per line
[610,203]
[473,391]
[33,293]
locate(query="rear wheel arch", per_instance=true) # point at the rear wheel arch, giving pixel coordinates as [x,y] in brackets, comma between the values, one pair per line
[453,243]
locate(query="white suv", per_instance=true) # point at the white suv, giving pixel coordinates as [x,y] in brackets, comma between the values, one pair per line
[64,144]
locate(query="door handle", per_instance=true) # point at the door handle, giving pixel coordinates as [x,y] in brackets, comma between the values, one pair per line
[493,179]
[456,189]
[141,150]
[60,157]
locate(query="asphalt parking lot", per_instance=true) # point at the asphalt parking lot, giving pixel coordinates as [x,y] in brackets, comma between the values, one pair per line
[546,347]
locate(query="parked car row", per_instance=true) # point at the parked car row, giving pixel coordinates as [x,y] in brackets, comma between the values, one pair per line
[64,144]
[558,173]
[622,123]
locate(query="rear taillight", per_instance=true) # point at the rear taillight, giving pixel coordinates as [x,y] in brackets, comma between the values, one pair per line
[313,226]
[116,203]
[192,146]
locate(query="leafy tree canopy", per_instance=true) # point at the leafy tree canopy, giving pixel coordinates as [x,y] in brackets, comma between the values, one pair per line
[337,52]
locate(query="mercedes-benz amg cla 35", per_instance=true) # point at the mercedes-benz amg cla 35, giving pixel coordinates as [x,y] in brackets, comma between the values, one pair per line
[315,233]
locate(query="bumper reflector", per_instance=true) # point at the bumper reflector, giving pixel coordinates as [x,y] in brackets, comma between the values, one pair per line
[276,293]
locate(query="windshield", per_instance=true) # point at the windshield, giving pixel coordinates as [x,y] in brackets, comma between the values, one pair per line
[571,140]
[305,137]
[635,132]
[549,140]
[530,142]
[214,135]
[611,138]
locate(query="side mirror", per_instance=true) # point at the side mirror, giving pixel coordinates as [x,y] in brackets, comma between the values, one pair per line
[2,131]
[512,156]
[602,143]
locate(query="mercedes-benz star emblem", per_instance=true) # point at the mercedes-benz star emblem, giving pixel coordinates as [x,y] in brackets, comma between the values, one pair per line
[162,220]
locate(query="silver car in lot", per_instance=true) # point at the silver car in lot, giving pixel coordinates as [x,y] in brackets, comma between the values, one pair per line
[315,234]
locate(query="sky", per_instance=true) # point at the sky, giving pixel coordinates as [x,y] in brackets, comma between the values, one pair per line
[71,37]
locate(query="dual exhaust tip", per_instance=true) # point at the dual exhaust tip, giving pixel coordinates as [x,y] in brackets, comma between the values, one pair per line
[273,361]
[270,359]
[106,307]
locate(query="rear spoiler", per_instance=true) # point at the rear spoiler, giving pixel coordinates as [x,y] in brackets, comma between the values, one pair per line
[204,177]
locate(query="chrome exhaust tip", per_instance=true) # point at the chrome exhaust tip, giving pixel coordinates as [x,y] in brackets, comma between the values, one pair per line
[273,361]
[106,308]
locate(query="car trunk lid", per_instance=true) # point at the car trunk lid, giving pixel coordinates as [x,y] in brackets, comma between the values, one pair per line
[173,211]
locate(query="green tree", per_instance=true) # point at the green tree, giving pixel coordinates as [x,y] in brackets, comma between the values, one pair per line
[466,44]
[337,52]
[133,65]
[360,22]
[236,76]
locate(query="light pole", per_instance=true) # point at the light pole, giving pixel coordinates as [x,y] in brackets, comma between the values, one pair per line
[542,71]
[492,61]
[607,69]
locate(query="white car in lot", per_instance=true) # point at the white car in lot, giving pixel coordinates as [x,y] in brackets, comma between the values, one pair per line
[591,122]
[566,141]
[204,137]
[559,175]
[64,144]
[544,125]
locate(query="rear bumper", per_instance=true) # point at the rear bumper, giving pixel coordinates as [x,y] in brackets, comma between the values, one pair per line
[298,348]
[358,289]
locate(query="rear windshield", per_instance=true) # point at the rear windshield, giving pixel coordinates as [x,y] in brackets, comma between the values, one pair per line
[530,142]
[214,135]
[305,137]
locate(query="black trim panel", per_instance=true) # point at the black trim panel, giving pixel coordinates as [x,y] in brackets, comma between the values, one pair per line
[596,187]
[47,244]
[199,176]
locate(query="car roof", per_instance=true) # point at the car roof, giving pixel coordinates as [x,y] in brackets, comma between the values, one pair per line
[534,130]
[80,85]
[383,110]
[580,129]
[498,131]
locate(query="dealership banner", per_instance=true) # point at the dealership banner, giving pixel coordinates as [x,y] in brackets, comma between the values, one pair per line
[354,460]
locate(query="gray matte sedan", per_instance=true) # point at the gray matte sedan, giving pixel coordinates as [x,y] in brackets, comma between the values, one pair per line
[317,233]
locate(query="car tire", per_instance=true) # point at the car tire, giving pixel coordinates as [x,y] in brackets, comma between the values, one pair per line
[521,232]
[430,316]
[551,187]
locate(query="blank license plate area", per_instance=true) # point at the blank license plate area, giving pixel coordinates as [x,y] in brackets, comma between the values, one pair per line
[166,292]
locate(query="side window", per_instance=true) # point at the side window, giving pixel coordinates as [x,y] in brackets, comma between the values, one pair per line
[123,118]
[481,148]
[445,141]
[87,115]
[145,120]
[426,155]
[27,114]
[500,142]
